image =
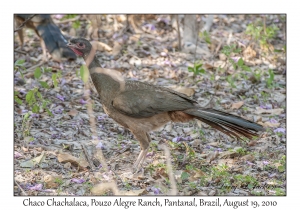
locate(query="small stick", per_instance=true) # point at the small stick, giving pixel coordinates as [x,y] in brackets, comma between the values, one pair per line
[173,190]
[21,188]
[178,33]
[87,157]
[23,24]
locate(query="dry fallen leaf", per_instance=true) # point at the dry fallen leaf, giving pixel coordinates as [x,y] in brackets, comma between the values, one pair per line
[272,125]
[237,105]
[51,181]
[100,189]
[73,112]
[268,111]
[249,53]
[64,158]
[196,174]
[211,156]
[248,157]
[132,192]
[252,143]
[31,163]
[228,154]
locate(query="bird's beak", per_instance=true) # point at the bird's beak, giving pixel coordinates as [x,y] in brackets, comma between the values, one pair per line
[69,44]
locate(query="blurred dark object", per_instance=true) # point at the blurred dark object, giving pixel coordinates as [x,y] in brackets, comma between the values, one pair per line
[50,34]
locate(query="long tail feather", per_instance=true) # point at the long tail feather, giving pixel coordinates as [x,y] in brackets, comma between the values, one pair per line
[227,123]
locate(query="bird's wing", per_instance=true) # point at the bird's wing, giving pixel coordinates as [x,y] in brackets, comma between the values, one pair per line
[150,101]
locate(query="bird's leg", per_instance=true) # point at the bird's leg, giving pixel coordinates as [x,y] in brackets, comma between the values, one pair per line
[144,140]
[139,161]
[43,45]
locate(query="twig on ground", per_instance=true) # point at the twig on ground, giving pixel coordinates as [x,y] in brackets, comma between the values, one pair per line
[87,157]
[33,67]
[173,190]
[23,191]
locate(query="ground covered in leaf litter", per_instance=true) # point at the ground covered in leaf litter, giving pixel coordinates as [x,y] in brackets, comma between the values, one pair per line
[54,154]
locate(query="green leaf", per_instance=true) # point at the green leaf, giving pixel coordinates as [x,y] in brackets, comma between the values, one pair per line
[84,73]
[19,101]
[197,66]
[39,95]
[37,73]
[44,84]
[76,24]
[184,175]
[190,69]
[250,186]
[234,66]
[22,75]
[202,71]
[54,80]
[30,97]
[35,108]
[271,78]
[240,62]
[278,50]
[77,73]
[19,62]
[246,68]
[26,116]
[49,112]
[47,70]
[281,169]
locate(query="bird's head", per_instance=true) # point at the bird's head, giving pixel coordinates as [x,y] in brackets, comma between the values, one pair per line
[80,46]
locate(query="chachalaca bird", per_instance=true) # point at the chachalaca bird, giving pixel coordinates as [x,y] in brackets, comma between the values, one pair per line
[142,107]
[50,35]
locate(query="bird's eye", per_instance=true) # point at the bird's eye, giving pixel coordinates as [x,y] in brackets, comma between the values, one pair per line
[81,45]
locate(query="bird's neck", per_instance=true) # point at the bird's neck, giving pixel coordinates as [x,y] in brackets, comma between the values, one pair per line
[108,82]
[91,62]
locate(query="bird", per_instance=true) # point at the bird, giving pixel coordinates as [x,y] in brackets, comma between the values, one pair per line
[142,107]
[50,35]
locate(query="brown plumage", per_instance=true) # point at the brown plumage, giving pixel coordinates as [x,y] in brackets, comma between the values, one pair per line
[142,107]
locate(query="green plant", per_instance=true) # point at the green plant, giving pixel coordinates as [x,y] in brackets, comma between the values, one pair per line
[241,151]
[192,185]
[55,77]
[231,80]
[245,180]
[184,175]
[58,181]
[127,185]
[265,96]
[205,35]
[270,80]
[84,73]
[261,33]
[197,69]
[26,125]
[257,75]
[221,173]
[282,161]
[76,24]
[36,101]
[16,98]
[279,192]
[19,67]
[256,192]
[229,49]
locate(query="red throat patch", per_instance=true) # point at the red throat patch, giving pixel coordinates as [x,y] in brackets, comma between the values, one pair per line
[77,52]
